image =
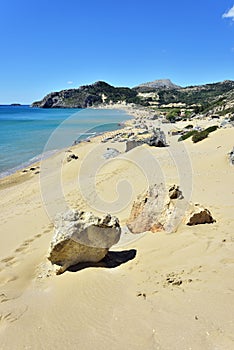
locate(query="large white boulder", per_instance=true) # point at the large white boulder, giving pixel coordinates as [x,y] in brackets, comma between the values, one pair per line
[82,237]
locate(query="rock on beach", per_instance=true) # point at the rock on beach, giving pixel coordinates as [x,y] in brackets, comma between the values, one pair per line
[82,237]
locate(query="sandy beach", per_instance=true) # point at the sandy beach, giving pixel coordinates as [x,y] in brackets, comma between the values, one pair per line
[169,290]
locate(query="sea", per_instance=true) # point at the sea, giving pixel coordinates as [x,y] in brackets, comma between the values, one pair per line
[29,134]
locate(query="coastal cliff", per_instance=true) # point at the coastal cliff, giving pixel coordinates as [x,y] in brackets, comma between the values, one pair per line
[88,96]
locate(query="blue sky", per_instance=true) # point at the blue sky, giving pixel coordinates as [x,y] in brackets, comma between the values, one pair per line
[53,45]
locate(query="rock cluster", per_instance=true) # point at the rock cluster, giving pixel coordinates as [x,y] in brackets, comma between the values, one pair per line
[157,139]
[139,135]
[82,237]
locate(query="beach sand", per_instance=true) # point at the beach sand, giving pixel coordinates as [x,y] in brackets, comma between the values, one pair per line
[176,293]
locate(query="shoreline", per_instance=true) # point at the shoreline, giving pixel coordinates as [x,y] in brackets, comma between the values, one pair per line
[31,162]
[136,113]
[45,155]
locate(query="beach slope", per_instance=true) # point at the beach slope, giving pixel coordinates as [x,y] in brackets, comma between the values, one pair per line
[161,291]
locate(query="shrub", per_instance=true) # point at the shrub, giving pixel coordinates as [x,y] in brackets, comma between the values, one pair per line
[173,114]
[171,118]
[211,128]
[187,135]
[199,136]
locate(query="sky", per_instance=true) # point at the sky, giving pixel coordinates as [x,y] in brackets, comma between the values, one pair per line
[53,45]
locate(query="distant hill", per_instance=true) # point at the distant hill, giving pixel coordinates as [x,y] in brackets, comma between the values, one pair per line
[88,96]
[208,94]
[160,94]
[160,84]
[212,98]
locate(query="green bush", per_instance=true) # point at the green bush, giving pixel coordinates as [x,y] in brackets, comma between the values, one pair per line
[187,135]
[211,128]
[199,136]
[171,118]
[174,112]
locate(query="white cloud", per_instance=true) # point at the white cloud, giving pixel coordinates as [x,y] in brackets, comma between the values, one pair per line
[69,82]
[229,14]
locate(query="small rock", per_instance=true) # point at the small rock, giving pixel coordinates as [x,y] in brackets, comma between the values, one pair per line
[158,139]
[199,215]
[71,156]
[175,192]
[231,157]
[177,283]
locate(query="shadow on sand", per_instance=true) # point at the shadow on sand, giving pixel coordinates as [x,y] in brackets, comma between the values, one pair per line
[111,260]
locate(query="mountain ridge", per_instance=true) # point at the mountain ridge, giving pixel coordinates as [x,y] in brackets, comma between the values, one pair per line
[159,84]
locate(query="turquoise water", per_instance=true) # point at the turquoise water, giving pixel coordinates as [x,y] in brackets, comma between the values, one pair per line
[26,133]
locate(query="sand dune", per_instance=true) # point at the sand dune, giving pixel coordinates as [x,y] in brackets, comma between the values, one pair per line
[176,293]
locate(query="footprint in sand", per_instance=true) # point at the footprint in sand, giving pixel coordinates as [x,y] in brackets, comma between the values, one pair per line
[38,235]
[3,298]
[12,279]
[14,315]
[47,231]
[12,260]
[8,262]
[7,259]
[11,263]
[26,244]
[22,248]
[7,277]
